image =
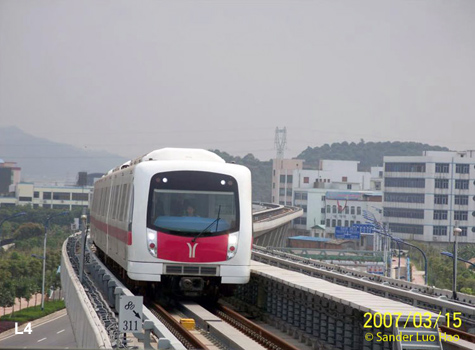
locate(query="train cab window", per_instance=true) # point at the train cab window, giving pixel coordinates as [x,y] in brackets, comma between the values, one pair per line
[191,202]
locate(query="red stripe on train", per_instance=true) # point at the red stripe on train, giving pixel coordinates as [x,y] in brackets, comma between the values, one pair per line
[122,235]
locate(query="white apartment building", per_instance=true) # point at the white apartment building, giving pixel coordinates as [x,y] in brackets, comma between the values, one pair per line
[335,174]
[426,197]
[309,189]
[344,209]
[55,197]
[282,179]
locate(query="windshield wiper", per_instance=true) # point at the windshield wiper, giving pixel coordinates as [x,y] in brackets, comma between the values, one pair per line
[207,227]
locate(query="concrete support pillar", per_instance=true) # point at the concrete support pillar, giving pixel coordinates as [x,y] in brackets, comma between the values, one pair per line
[111,285]
[118,292]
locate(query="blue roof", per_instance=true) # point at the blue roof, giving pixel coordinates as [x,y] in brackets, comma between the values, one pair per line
[313,239]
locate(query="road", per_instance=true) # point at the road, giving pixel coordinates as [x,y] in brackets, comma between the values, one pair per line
[417,276]
[53,331]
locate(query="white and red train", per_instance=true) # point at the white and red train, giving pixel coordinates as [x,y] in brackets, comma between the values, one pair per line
[180,217]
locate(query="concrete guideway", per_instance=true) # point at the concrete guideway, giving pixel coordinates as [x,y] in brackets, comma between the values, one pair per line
[112,289]
[89,330]
[271,223]
[379,285]
[340,280]
[87,327]
[326,314]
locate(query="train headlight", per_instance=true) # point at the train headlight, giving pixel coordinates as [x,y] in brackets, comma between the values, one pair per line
[152,242]
[232,245]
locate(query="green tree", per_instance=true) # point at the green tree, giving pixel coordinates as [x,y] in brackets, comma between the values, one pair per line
[441,267]
[7,298]
[23,289]
[28,230]
[36,286]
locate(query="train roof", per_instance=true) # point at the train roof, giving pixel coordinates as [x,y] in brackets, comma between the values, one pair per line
[182,154]
[169,153]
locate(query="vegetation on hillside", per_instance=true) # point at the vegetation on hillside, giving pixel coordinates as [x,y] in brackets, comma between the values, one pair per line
[261,174]
[367,153]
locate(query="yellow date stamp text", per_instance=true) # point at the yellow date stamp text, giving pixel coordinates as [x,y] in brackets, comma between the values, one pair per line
[412,320]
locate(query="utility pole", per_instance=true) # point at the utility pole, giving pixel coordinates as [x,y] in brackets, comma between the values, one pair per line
[457,231]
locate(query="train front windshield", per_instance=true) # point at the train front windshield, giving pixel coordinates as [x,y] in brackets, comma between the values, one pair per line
[193,202]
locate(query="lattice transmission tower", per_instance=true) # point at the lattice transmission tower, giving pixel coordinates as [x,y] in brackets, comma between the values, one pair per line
[279,142]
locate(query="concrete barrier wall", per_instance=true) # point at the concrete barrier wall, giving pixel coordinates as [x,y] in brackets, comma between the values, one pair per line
[87,327]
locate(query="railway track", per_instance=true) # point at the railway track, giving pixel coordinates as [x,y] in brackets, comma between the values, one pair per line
[189,340]
[222,327]
[457,332]
[227,328]
[256,332]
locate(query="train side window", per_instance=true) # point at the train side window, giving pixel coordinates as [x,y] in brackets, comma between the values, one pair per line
[103,200]
[123,203]
[128,191]
[131,205]
[117,202]
[107,202]
[113,204]
[94,201]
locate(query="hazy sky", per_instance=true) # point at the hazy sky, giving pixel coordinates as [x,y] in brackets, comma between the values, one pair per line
[132,76]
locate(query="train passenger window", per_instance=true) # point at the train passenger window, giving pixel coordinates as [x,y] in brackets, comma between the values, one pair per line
[123,201]
[103,202]
[115,201]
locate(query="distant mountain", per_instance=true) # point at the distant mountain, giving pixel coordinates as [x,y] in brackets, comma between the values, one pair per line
[44,160]
[367,153]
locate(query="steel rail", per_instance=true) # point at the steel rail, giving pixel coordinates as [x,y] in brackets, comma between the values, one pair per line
[461,334]
[254,331]
[184,335]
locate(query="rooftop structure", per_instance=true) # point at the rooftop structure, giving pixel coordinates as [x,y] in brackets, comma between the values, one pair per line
[9,176]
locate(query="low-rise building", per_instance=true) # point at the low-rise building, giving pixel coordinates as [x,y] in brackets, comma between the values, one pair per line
[9,176]
[315,190]
[344,209]
[54,197]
